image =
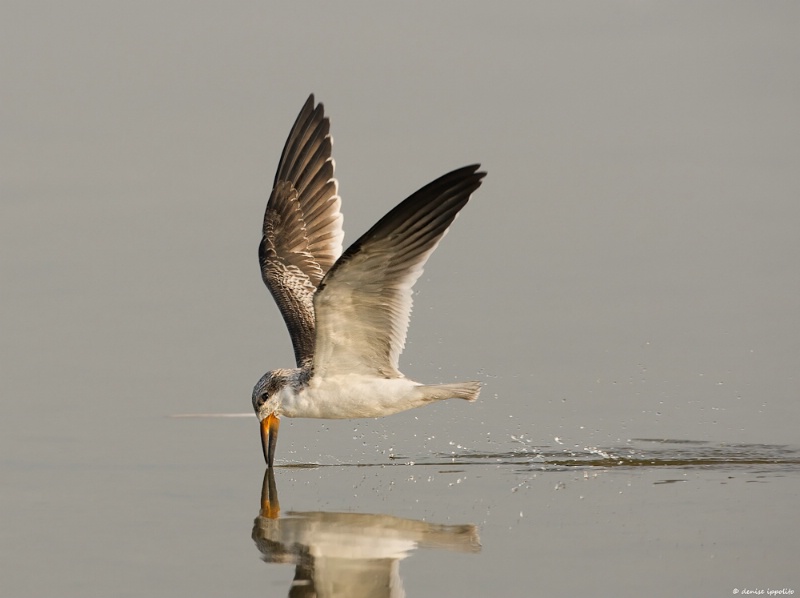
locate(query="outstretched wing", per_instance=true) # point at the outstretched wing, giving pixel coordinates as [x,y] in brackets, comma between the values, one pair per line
[302,235]
[364,302]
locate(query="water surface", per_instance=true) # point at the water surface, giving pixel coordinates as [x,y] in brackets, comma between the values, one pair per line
[650,516]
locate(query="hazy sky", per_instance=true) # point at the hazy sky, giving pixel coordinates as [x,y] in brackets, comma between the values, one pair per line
[628,269]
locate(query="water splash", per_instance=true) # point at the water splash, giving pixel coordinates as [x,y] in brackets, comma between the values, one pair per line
[644,452]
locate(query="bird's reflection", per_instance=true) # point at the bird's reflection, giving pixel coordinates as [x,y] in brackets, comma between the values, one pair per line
[347,554]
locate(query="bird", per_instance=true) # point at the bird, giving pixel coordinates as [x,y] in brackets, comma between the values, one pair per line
[348,554]
[347,312]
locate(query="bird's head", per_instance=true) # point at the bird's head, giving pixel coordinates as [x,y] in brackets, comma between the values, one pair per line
[266,403]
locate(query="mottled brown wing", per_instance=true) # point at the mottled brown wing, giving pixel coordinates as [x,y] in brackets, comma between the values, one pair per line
[302,234]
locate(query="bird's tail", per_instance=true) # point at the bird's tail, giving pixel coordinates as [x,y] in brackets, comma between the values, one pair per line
[468,391]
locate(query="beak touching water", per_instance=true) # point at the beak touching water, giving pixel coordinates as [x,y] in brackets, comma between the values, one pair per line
[269,437]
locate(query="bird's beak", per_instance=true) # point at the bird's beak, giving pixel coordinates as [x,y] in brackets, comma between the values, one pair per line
[269,437]
[270,507]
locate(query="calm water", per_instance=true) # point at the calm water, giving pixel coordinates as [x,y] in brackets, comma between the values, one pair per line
[650,517]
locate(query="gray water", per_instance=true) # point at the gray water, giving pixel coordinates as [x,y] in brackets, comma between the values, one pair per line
[653,516]
[624,284]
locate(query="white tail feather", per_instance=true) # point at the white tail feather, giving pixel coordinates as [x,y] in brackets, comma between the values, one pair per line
[468,391]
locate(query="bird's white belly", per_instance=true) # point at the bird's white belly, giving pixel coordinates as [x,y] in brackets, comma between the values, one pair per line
[350,396]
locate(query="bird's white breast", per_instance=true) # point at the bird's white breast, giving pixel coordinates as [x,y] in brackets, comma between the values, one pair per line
[350,396]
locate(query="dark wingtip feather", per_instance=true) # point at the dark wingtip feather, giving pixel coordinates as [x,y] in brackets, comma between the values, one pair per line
[434,205]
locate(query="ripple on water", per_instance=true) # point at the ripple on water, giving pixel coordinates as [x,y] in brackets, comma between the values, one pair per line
[640,452]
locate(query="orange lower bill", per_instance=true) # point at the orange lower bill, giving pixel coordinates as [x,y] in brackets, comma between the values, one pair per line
[269,437]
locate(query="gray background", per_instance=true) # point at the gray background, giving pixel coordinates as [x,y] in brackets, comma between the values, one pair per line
[629,268]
